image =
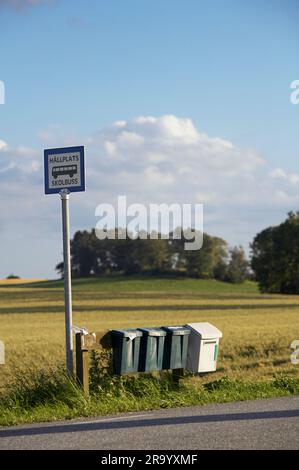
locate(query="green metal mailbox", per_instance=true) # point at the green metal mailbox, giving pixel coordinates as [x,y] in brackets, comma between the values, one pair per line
[151,349]
[176,347]
[126,348]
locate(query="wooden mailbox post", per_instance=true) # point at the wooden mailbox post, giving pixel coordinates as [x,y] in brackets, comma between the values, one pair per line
[84,344]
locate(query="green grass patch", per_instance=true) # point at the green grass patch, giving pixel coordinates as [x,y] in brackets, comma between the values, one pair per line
[50,395]
[144,283]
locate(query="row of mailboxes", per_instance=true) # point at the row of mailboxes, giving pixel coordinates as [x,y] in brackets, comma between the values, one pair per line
[193,346]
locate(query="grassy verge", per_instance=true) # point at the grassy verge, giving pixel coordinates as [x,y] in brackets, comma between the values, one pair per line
[50,395]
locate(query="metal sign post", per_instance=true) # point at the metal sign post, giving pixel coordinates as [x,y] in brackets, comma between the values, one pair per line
[65,199]
[65,173]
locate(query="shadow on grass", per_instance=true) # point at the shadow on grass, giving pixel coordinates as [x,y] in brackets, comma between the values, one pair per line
[147,308]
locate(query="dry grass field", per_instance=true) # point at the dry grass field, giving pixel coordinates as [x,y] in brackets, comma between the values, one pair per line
[14,282]
[257,329]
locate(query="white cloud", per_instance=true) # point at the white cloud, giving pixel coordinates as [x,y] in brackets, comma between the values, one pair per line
[162,159]
[205,197]
[3,145]
[129,139]
[156,178]
[119,123]
[280,196]
[10,166]
[169,128]
[110,147]
[16,162]
[278,173]
[170,154]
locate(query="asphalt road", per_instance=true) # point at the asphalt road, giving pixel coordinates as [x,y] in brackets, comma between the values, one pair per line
[260,424]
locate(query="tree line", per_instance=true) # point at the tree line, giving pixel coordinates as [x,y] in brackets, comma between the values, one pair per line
[274,257]
[155,255]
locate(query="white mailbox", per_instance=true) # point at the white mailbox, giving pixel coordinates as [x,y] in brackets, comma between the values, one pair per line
[203,347]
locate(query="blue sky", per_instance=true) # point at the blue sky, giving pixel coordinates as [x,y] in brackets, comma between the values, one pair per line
[73,68]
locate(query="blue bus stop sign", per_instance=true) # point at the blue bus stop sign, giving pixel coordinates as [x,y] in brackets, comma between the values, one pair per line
[64,169]
[65,173]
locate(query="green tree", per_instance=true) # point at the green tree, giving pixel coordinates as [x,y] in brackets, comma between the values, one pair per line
[83,253]
[275,257]
[155,255]
[202,263]
[95,255]
[237,270]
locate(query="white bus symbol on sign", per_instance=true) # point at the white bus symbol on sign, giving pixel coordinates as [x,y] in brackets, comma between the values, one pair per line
[64,169]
